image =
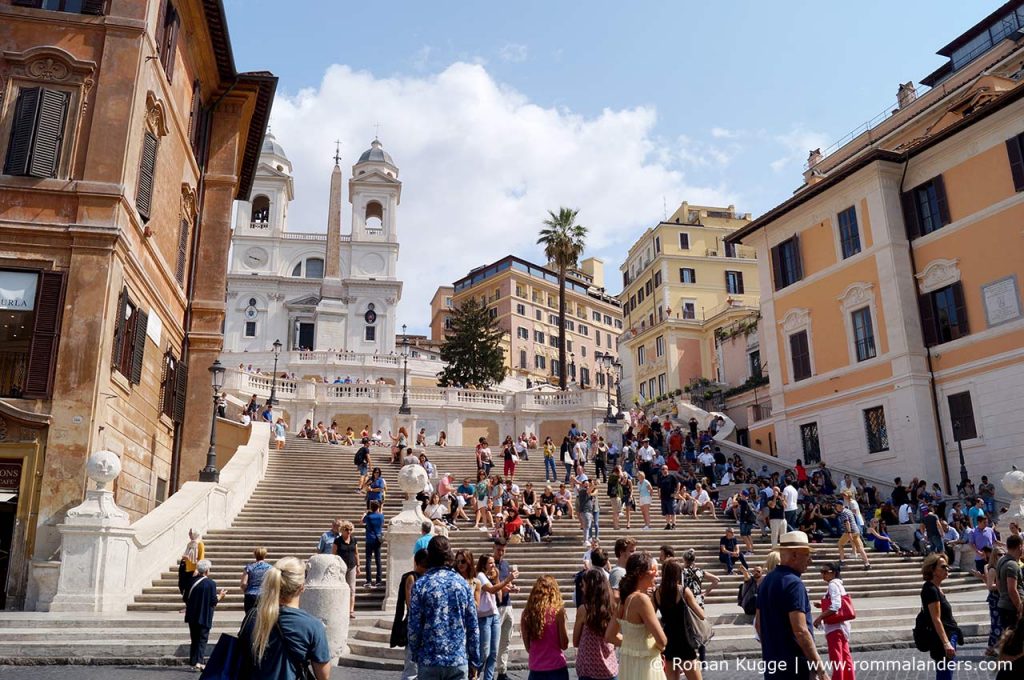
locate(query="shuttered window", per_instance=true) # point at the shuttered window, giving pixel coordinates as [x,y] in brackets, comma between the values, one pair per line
[37,132]
[943,315]
[129,339]
[849,235]
[179,268]
[147,176]
[138,346]
[42,357]
[734,283]
[180,383]
[1015,151]
[961,415]
[787,266]
[195,119]
[925,208]
[167,385]
[800,352]
[167,37]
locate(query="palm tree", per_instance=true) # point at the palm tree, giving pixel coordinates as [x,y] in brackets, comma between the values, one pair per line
[563,242]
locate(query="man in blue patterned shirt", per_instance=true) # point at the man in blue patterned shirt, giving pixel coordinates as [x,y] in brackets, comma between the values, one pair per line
[443,626]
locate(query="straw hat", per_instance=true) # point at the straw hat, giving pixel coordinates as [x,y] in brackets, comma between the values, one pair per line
[795,540]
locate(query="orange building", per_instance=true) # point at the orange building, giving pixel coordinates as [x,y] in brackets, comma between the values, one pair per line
[126,133]
[890,291]
[440,312]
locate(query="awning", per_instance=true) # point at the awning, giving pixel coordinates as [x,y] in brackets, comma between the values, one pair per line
[7,496]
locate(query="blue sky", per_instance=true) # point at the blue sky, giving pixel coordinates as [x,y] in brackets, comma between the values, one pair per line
[495,112]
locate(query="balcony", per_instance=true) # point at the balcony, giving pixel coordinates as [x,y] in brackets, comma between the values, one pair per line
[759,412]
[259,226]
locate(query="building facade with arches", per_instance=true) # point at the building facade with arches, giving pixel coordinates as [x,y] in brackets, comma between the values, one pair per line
[314,291]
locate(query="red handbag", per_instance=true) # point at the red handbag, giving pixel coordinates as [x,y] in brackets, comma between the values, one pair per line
[846,611]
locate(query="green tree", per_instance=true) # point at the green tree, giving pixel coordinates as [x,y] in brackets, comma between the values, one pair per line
[563,242]
[472,348]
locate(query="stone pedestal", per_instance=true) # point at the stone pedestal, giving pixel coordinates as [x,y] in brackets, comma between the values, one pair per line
[404,530]
[327,598]
[1013,482]
[331,314]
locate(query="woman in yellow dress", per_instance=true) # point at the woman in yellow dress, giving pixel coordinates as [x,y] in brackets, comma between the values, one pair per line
[635,628]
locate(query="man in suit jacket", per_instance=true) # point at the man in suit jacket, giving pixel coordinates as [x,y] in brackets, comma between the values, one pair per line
[202,597]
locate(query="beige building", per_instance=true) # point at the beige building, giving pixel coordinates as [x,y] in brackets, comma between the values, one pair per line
[523,298]
[440,311]
[683,289]
[126,133]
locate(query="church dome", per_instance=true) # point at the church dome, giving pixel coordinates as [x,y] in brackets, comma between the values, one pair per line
[376,153]
[270,146]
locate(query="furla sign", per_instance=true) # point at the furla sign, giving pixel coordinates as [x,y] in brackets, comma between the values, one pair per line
[18,290]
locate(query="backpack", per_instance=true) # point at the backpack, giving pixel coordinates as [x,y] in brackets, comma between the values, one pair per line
[924,632]
[360,457]
[746,598]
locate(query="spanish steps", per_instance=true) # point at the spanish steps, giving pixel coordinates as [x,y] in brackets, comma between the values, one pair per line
[308,484]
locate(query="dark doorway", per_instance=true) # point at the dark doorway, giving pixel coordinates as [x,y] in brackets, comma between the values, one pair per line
[307,333]
[9,483]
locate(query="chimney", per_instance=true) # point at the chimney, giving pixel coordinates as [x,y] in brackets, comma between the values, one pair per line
[905,94]
[811,175]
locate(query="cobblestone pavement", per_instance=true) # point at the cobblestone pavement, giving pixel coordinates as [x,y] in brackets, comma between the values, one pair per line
[723,670]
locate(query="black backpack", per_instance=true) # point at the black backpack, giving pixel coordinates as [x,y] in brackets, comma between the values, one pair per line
[746,598]
[360,457]
[924,632]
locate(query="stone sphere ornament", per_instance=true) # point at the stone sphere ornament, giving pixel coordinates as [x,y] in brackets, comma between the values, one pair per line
[103,467]
[413,479]
[1013,482]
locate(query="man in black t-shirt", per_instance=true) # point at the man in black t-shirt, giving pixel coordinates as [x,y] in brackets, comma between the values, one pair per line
[668,484]
[362,460]
[729,551]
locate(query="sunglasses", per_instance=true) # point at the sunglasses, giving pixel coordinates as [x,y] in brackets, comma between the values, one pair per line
[943,566]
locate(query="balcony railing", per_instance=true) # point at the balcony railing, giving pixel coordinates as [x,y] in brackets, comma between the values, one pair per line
[759,412]
[259,225]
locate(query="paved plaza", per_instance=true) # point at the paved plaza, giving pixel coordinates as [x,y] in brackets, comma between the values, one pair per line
[885,665]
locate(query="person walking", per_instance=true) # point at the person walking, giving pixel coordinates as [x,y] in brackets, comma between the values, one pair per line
[635,629]
[783,618]
[549,461]
[693,579]
[790,509]
[565,452]
[345,548]
[1011,585]
[326,544]
[508,453]
[280,430]
[444,635]
[252,579]
[373,520]
[544,631]
[595,656]
[490,586]
[644,492]
[202,597]
[400,624]
[280,635]
[194,552]
[505,613]
[837,628]
[851,534]
[672,600]
[376,488]
[991,579]
[946,632]
[776,517]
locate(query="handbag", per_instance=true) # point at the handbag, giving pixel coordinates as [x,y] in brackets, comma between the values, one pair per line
[698,631]
[846,611]
[224,660]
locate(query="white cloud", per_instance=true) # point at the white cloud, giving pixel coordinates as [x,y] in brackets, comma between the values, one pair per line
[480,166]
[723,133]
[513,52]
[797,144]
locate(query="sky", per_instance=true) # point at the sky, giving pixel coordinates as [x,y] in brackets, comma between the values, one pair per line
[497,112]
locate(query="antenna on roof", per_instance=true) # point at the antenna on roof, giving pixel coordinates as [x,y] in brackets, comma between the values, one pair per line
[337,151]
[376,133]
[664,209]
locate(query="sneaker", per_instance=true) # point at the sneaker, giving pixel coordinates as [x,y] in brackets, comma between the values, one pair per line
[667,527]
[748,553]
[379,584]
[369,584]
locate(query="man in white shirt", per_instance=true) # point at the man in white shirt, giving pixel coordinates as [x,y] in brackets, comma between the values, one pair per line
[905,514]
[579,450]
[646,456]
[847,483]
[789,497]
[521,447]
[700,495]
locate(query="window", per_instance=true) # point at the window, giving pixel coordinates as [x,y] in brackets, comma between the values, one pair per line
[863,334]
[448,302]
[37,132]
[583,351]
[607,320]
[554,365]
[370,334]
[129,339]
[730,249]
[689,309]
[173,388]
[754,363]
[520,291]
[74,6]
[553,340]
[657,244]
[684,241]
[661,384]
[943,315]
[179,266]
[618,324]
[596,316]
[448,325]
[925,208]
[734,283]
[961,416]
[597,338]
[521,310]
[657,279]
[582,329]
[147,176]
[659,346]
[538,314]
[167,37]
[687,275]
[522,333]
[538,336]
[650,388]
[568,345]
[1015,151]
[492,312]
[809,442]
[640,355]
[250,329]
[643,391]
[849,236]
[648,287]
[522,358]
[584,376]
[314,268]
[874,425]
[640,295]
[570,325]
[539,361]
[800,354]
[786,265]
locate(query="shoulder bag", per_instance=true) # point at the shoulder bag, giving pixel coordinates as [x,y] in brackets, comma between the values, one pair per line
[698,631]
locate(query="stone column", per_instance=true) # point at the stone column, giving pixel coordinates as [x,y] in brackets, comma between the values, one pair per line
[404,530]
[97,547]
[327,598]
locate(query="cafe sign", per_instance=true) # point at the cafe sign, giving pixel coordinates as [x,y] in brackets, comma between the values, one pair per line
[10,476]
[18,290]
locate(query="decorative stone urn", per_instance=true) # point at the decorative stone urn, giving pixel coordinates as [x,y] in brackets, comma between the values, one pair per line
[1013,482]
[327,598]
[404,529]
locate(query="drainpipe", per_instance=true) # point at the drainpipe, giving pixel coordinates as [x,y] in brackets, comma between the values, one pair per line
[928,356]
[204,152]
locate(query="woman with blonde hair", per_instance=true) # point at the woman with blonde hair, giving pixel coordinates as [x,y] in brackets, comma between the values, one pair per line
[194,551]
[281,636]
[252,578]
[544,631]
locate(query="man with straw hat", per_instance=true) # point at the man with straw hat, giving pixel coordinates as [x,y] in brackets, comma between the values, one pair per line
[783,620]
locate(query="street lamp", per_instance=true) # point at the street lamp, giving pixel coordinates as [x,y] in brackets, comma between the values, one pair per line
[273,382]
[607,362]
[210,472]
[572,368]
[617,365]
[960,448]
[404,408]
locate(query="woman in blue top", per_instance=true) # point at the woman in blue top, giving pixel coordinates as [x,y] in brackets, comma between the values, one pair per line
[280,637]
[252,578]
[279,433]
[375,488]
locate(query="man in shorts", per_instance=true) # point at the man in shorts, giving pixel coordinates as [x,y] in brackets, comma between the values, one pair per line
[747,519]
[668,484]
[851,533]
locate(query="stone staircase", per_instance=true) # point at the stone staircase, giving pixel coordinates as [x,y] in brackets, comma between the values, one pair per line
[308,484]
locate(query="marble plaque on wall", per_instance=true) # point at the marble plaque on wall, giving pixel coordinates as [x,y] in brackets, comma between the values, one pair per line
[1002,304]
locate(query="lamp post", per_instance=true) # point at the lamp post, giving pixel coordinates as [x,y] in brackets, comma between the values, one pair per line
[607,362]
[273,382]
[572,368]
[404,408]
[210,473]
[619,415]
[960,448]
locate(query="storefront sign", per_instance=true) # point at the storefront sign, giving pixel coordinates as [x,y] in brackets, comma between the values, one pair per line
[18,290]
[10,476]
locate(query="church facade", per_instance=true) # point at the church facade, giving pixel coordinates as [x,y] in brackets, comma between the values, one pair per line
[314,292]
